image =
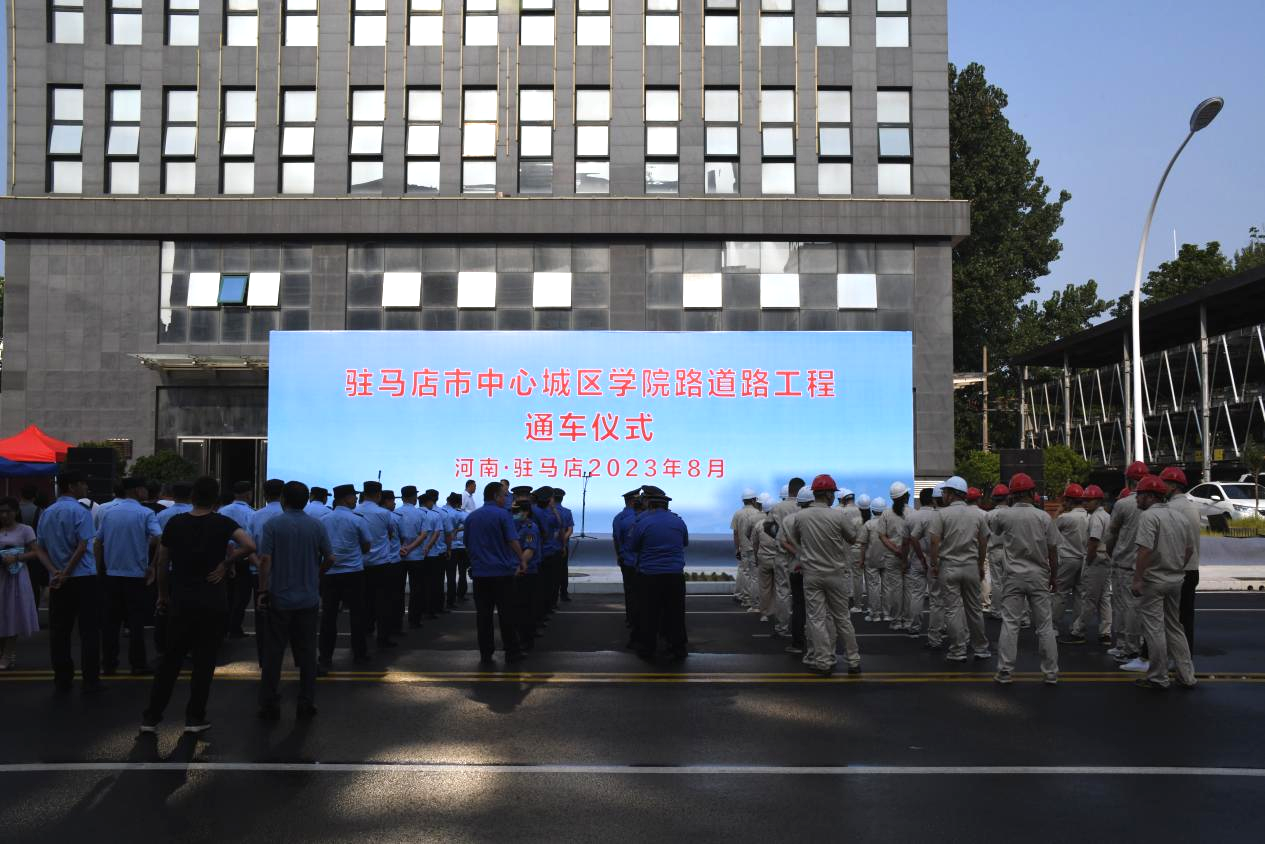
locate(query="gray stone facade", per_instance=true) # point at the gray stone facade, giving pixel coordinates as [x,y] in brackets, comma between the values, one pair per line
[83,270]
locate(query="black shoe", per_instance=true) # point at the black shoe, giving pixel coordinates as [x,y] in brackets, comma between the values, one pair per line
[92,685]
[305,711]
[362,659]
[110,669]
[855,670]
[1147,683]
[565,597]
[432,616]
[269,714]
[197,726]
[386,643]
[516,657]
[1072,640]
[486,660]
[237,635]
[323,669]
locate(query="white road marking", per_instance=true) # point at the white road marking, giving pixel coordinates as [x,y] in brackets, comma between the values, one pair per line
[565,769]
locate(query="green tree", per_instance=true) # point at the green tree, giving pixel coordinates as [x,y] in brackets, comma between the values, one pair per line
[164,467]
[1252,255]
[1194,267]
[1064,313]
[1013,221]
[979,469]
[1061,466]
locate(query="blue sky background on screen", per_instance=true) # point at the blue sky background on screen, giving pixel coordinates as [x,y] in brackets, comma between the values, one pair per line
[1102,92]
[863,435]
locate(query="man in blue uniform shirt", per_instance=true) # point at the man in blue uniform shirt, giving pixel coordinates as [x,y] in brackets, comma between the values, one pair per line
[380,569]
[66,532]
[567,525]
[316,506]
[458,563]
[273,488]
[623,557]
[241,512]
[398,568]
[496,558]
[415,532]
[659,539]
[549,523]
[437,557]
[343,584]
[124,544]
[528,596]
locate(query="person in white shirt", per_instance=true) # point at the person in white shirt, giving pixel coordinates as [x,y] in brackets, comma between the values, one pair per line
[469,505]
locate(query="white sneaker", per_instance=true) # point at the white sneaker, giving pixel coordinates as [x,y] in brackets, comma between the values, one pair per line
[764,618]
[982,655]
[856,610]
[1138,664]
[1116,651]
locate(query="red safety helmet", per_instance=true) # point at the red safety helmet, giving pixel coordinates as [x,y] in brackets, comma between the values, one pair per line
[824,484]
[1152,484]
[1092,492]
[1123,492]
[1174,475]
[1136,470]
[1021,483]
[1000,491]
[973,494]
[1074,491]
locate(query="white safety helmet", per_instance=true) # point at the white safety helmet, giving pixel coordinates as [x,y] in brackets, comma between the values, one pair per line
[843,493]
[897,489]
[785,492]
[954,482]
[766,501]
[863,502]
[878,504]
[748,494]
[805,495]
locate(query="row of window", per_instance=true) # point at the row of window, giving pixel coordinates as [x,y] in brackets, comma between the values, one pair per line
[479,115]
[480,23]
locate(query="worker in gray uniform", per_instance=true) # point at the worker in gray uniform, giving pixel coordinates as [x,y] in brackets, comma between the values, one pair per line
[1164,545]
[994,554]
[873,560]
[1096,582]
[741,526]
[1176,480]
[1030,539]
[958,536]
[1122,528]
[1073,525]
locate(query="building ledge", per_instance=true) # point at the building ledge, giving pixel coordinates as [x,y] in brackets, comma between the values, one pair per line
[170,361]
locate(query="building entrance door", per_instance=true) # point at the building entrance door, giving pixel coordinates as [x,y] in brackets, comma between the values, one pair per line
[230,459]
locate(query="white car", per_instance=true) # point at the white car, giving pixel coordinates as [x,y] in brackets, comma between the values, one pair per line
[1234,499]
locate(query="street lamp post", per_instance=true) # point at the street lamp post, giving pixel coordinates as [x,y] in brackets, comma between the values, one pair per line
[1200,118]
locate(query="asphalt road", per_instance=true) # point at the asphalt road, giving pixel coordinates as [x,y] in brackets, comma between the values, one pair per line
[583,741]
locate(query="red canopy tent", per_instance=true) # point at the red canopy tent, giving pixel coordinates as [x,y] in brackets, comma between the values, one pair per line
[33,446]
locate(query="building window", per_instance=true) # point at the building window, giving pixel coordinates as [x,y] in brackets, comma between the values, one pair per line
[66,24]
[777,23]
[536,141]
[835,141]
[892,111]
[720,23]
[892,23]
[182,23]
[701,290]
[241,23]
[125,22]
[663,112]
[123,163]
[481,23]
[721,150]
[479,141]
[779,290]
[856,291]
[536,23]
[369,23]
[65,139]
[593,23]
[778,140]
[180,140]
[476,289]
[593,148]
[401,290]
[422,146]
[299,28]
[833,23]
[551,290]
[237,147]
[426,23]
[369,110]
[663,26]
[298,125]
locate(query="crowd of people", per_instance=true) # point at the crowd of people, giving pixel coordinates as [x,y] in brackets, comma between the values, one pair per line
[809,562]
[193,562]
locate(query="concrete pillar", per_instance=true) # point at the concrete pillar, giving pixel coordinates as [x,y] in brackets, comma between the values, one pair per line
[1206,442]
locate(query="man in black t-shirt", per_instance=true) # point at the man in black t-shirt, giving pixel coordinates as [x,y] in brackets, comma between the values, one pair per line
[192,567]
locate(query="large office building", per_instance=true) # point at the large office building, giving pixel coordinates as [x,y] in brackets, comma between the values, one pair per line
[185,177]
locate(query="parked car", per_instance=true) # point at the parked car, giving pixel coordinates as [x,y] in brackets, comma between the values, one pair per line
[1233,499]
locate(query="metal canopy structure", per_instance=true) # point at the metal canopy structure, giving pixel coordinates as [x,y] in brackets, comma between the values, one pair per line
[1203,358]
[178,361]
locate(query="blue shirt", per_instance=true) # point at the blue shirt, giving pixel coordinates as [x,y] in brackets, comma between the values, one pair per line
[297,546]
[381,527]
[620,532]
[316,510]
[413,523]
[62,526]
[442,523]
[346,531]
[549,524]
[489,531]
[102,510]
[530,539]
[125,533]
[393,539]
[239,512]
[258,520]
[659,538]
[174,510]
[458,520]
[568,522]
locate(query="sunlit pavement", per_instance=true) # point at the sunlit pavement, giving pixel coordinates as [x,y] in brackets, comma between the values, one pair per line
[584,741]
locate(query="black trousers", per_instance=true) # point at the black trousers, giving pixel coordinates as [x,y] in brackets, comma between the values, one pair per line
[76,602]
[380,598]
[552,569]
[278,628]
[451,566]
[241,590]
[1187,607]
[416,570]
[125,604]
[628,575]
[198,632]
[497,594]
[461,561]
[398,572]
[562,574]
[529,593]
[662,601]
[797,609]
[346,589]
[433,575]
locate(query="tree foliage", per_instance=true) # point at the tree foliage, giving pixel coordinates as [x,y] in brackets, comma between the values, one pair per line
[1062,465]
[1253,254]
[1064,313]
[164,467]
[1013,220]
[979,469]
